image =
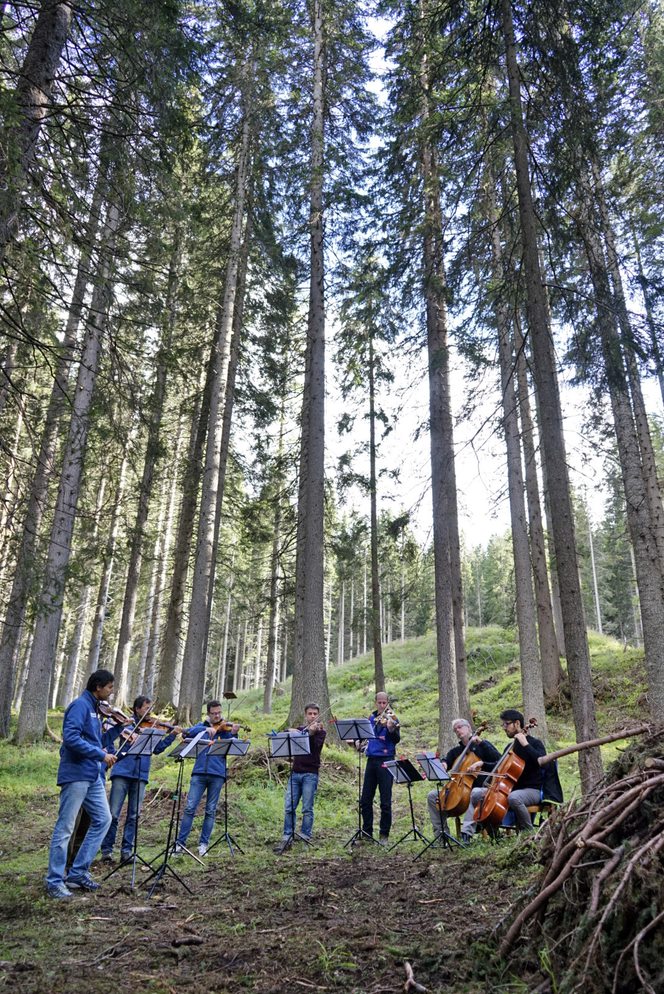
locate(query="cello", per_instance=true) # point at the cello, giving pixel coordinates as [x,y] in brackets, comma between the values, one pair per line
[454,797]
[494,805]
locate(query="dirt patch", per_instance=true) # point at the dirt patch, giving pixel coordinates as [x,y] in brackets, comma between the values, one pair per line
[297,922]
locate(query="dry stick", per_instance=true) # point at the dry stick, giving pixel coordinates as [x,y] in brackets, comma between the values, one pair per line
[606,871]
[411,984]
[634,943]
[591,743]
[656,764]
[637,943]
[586,831]
[580,844]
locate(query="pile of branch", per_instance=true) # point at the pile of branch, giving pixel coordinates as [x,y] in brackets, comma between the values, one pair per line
[596,917]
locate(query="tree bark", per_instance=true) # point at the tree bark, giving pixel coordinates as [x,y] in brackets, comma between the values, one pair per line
[309,673]
[379,673]
[32,717]
[32,100]
[551,434]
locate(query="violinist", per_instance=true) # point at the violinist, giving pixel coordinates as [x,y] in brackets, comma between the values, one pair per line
[526,790]
[129,778]
[303,781]
[84,752]
[386,730]
[487,756]
[207,777]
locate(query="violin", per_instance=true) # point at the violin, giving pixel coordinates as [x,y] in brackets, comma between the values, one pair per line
[385,716]
[113,715]
[152,721]
[226,725]
[454,797]
[494,805]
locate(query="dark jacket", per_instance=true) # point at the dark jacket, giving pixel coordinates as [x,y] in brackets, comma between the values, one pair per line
[532,772]
[214,766]
[138,767]
[483,750]
[81,752]
[310,762]
[384,745]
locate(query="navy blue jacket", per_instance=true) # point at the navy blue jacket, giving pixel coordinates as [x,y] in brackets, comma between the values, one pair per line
[82,749]
[214,766]
[384,745]
[138,767]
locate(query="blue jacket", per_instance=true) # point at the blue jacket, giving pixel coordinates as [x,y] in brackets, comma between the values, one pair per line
[82,749]
[138,767]
[384,745]
[215,766]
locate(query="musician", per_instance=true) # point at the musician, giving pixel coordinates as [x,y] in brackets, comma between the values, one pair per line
[207,777]
[526,790]
[83,754]
[487,755]
[382,747]
[303,781]
[129,778]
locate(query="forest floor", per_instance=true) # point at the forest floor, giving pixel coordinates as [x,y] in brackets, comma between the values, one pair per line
[267,923]
[317,919]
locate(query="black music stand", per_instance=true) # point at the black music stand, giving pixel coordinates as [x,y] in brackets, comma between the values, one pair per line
[403,771]
[228,747]
[181,752]
[435,771]
[357,730]
[147,740]
[287,745]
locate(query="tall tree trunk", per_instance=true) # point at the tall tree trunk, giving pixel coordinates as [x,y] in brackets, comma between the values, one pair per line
[25,560]
[275,557]
[193,667]
[552,671]
[32,717]
[152,454]
[658,356]
[531,670]
[440,427]
[309,674]
[551,434]
[32,101]
[379,673]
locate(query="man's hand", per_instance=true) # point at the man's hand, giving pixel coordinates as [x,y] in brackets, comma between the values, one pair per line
[110,759]
[521,738]
[236,728]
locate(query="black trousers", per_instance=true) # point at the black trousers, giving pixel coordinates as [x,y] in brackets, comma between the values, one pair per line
[376,776]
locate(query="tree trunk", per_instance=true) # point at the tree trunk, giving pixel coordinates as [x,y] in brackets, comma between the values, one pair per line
[379,673]
[275,557]
[531,670]
[152,454]
[309,674]
[32,101]
[551,433]
[32,718]
[193,666]
[552,671]
[26,556]
[658,357]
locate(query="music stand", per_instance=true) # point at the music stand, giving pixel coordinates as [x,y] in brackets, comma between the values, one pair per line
[145,743]
[183,750]
[353,730]
[435,771]
[403,771]
[228,747]
[287,745]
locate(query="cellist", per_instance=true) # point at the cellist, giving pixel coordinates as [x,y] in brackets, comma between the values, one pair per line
[526,790]
[483,750]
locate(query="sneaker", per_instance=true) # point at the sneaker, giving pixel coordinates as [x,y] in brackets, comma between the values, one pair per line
[466,838]
[202,849]
[383,840]
[59,891]
[177,849]
[107,859]
[303,838]
[83,883]
[283,846]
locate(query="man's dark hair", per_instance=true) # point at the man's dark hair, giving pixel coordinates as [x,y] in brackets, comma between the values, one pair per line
[99,679]
[511,714]
[213,704]
[140,701]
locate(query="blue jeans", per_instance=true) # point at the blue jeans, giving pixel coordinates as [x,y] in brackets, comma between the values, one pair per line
[200,782]
[90,795]
[300,786]
[122,787]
